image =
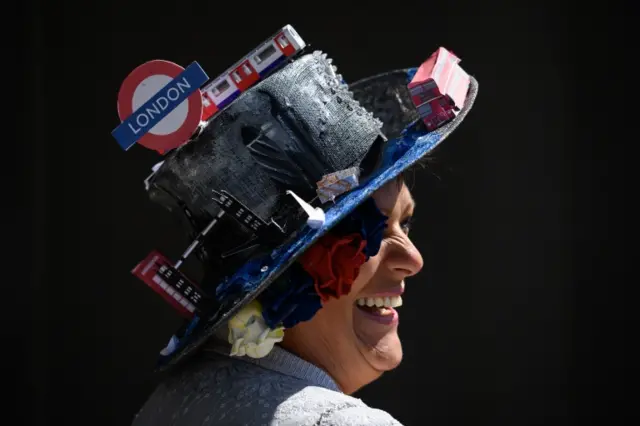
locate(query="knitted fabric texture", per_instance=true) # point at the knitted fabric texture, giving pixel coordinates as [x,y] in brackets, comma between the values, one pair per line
[280,389]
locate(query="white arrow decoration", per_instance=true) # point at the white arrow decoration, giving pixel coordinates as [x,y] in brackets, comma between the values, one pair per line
[316,215]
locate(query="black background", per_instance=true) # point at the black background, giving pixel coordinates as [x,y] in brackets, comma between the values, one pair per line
[516,318]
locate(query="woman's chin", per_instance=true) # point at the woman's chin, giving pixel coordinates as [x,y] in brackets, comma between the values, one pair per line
[383,355]
[378,338]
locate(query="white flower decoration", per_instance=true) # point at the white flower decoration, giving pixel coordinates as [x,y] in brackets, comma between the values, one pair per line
[249,334]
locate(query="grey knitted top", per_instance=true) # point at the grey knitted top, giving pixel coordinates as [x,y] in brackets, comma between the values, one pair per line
[277,390]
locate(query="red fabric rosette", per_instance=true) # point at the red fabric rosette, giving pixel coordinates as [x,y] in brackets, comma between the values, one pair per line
[334,263]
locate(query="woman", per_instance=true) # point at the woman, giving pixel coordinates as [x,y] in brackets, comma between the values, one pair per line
[301,312]
[346,345]
[352,338]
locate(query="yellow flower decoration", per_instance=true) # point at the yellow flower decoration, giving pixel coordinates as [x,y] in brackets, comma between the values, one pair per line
[249,334]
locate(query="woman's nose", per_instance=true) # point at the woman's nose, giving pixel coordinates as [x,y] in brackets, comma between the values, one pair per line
[403,258]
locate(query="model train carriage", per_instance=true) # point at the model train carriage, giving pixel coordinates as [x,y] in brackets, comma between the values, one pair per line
[252,68]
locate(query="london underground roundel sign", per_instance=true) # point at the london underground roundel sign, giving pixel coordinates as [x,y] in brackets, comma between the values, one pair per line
[160,105]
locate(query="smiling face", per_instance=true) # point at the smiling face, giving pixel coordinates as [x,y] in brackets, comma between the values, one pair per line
[355,338]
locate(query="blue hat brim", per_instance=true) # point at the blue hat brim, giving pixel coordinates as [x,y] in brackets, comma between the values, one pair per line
[411,147]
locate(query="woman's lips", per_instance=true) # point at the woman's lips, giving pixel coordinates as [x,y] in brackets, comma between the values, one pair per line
[389,317]
[379,307]
[388,294]
[395,291]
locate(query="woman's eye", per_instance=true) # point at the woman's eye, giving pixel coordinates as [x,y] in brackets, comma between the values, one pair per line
[406,224]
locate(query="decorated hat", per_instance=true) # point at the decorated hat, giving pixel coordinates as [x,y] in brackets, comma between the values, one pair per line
[271,167]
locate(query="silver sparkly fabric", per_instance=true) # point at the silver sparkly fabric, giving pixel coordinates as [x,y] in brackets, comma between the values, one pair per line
[277,390]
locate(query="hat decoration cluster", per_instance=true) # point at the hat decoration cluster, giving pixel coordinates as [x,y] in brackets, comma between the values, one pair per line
[162,105]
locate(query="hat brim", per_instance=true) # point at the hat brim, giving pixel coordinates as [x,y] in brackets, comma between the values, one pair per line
[201,329]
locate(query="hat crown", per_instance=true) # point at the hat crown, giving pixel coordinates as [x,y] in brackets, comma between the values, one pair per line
[283,134]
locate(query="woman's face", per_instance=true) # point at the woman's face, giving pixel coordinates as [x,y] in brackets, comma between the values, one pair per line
[354,342]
